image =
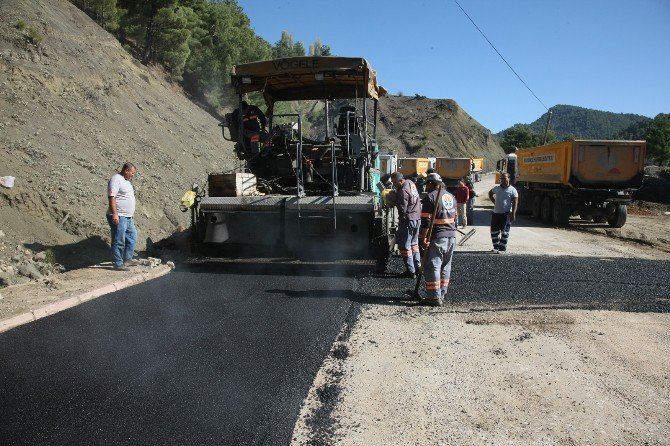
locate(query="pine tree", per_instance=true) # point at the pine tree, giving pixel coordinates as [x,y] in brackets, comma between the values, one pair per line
[658,139]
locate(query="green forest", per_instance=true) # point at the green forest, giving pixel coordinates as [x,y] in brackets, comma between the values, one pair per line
[196,41]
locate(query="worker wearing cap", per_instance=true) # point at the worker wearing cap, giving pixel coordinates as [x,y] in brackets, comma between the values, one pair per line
[437,269]
[408,203]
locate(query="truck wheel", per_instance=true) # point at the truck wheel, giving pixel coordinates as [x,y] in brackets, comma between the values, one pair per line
[560,213]
[536,210]
[618,218]
[545,211]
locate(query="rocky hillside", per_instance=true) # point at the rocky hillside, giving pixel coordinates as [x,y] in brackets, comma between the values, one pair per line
[417,126]
[74,105]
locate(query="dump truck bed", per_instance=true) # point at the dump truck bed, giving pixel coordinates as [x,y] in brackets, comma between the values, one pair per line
[411,167]
[478,164]
[584,163]
[453,168]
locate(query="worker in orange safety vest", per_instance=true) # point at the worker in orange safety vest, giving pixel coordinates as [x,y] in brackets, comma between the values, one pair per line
[437,266]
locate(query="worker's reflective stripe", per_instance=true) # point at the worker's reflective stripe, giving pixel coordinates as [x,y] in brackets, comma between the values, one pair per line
[255,137]
[405,252]
[444,221]
[445,283]
[433,285]
[247,118]
[426,215]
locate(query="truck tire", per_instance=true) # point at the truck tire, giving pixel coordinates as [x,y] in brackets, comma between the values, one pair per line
[536,210]
[560,213]
[545,211]
[618,218]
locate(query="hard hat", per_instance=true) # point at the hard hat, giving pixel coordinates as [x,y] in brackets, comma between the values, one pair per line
[434,178]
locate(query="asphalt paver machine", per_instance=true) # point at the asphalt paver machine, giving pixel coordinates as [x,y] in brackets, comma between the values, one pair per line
[306,197]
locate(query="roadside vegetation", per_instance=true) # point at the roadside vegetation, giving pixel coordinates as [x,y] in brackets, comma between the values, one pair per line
[196,41]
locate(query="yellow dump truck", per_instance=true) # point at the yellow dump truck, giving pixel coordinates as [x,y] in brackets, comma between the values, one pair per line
[412,167]
[592,179]
[477,168]
[453,169]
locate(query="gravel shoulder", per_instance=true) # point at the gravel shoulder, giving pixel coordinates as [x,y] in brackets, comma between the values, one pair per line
[511,377]
[473,373]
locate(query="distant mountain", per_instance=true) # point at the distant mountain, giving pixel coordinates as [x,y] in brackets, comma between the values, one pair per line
[579,122]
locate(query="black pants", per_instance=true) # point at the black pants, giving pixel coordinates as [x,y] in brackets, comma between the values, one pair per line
[500,226]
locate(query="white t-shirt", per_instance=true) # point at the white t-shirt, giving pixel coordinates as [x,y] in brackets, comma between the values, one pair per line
[503,196]
[123,192]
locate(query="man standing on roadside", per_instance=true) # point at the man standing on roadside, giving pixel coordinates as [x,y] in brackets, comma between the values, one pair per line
[409,219]
[505,200]
[440,247]
[121,196]
[462,194]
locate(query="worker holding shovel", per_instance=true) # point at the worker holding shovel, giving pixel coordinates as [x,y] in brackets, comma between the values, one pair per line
[438,237]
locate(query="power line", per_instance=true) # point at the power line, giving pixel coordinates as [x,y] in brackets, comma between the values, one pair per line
[501,56]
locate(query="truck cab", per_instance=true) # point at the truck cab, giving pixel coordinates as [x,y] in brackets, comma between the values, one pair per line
[507,165]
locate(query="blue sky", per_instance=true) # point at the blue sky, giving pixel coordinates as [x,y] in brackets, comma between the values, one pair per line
[609,55]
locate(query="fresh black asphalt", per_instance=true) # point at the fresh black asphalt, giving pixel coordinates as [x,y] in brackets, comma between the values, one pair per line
[226,355]
[191,358]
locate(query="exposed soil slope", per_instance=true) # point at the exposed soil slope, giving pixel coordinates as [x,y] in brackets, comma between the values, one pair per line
[417,126]
[76,106]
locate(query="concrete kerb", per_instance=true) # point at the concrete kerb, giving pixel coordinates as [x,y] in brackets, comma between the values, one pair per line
[70,302]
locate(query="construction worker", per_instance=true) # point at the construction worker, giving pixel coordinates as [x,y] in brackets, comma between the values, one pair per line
[437,268]
[505,200]
[254,125]
[462,194]
[408,203]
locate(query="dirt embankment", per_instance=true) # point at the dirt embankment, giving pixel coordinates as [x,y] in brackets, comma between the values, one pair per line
[418,126]
[73,108]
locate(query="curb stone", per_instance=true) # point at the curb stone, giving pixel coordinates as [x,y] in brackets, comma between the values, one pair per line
[70,302]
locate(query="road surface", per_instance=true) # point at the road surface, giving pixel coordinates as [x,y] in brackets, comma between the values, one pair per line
[208,356]
[227,354]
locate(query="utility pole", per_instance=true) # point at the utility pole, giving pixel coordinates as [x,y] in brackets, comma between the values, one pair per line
[546,127]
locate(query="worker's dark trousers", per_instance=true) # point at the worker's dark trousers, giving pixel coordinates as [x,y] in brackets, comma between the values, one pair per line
[470,210]
[500,226]
[438,267]
[407,238]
